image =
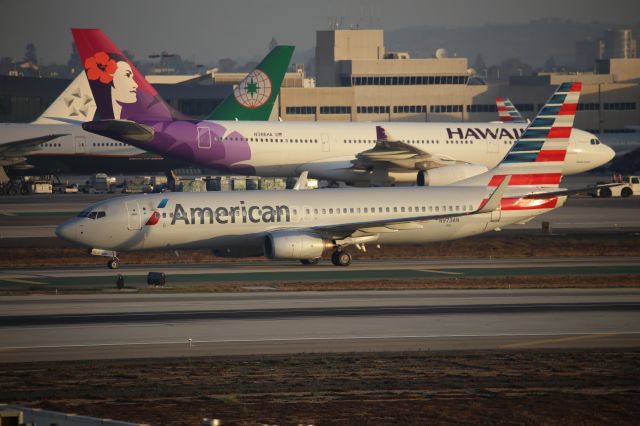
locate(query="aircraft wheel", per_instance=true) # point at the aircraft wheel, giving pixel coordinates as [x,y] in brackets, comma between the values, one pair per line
[113,263]
[314,261]
[341,258]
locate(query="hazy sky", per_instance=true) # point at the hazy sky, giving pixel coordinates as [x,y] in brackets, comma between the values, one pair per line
[206,31]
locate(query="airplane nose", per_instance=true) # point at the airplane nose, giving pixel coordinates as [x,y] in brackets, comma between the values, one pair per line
[607,153]
[68,231]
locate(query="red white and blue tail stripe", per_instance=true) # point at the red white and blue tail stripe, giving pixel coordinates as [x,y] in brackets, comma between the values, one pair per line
[507,112]
[537,157]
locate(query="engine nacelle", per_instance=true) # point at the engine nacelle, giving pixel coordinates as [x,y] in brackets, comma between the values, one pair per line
[294,245]
[449,174]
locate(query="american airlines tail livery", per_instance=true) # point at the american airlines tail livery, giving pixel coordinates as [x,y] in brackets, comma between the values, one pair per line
[303,224]
[132,112]
[507,112]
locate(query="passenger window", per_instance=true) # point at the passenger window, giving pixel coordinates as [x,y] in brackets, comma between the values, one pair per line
[330,211]
[324,211]
[402,209]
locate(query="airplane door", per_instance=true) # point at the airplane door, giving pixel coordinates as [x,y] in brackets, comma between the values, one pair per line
[81,143]
[133,215]
[204,138]
[326,145]
[493,146]
[496,214]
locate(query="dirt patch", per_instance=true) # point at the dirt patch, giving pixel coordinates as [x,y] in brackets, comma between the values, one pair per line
[480,387]
[502,244]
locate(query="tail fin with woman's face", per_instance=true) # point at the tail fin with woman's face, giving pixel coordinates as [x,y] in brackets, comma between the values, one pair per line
[118,97]
[119,89]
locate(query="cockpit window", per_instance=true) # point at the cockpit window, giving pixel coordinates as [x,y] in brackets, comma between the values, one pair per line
[92,215]
[595,142]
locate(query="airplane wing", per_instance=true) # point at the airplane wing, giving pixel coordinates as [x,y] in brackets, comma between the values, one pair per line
[374,227]
[392,153]
[14,153]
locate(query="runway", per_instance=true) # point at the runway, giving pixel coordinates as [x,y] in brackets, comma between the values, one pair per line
[264,273]
[36,328]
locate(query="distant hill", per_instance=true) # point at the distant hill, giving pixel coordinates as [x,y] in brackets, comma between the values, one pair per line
[533,43]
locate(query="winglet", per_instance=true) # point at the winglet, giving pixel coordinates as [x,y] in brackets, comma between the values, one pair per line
[301,184]
[381,134]
[494,199]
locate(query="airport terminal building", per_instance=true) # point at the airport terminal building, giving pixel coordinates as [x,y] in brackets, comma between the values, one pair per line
[358,80]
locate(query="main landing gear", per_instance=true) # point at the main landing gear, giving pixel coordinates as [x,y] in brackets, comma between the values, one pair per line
[340,258]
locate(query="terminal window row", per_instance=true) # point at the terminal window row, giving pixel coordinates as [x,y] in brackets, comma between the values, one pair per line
[404,80]
[335,110]
[373,109]
[620,106]
[445,108]
[409,108]
[301,110]
[482,108]
[588,106]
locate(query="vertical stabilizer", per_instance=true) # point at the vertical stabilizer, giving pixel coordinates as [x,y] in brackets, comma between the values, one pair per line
[507,112]
[74,105]
[537,157]
[254,97]
[119,89]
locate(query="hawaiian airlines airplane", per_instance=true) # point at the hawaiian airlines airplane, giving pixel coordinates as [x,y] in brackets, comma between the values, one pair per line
[56,143]
[303,224]
[432,153]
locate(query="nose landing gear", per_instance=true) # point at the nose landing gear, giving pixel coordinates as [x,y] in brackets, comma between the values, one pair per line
[113,263]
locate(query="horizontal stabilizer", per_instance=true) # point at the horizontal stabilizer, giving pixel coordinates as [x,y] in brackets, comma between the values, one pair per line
[122,130]
[494,199]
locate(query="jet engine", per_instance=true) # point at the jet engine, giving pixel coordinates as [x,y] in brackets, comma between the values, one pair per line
[449,174]
[294,245]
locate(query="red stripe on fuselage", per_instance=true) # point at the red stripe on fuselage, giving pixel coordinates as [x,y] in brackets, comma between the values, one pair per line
[528,179]
[551,155]
[511,204]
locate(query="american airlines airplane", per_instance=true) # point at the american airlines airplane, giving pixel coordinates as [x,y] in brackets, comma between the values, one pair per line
[429,153]
[56,143]
[507,112]
[302,225]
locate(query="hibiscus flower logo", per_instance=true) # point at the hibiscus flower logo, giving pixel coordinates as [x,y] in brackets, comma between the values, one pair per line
[100,67]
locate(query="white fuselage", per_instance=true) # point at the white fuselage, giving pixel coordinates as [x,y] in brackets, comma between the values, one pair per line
[240,220]
[325,149]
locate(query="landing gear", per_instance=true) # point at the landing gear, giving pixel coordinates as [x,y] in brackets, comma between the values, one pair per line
[113,263]
[340,258]
[314,261]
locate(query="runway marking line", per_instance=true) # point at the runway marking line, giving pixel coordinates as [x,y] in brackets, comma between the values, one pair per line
[21,281]
[436,271]
[311,339]
[558,340]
